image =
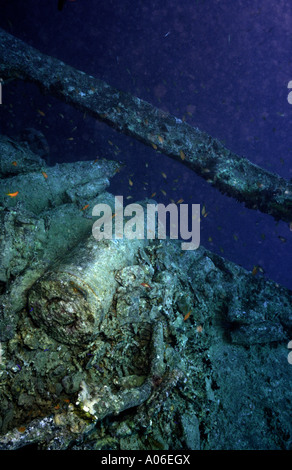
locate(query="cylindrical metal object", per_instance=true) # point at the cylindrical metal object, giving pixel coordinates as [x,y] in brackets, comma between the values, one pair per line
[71,301]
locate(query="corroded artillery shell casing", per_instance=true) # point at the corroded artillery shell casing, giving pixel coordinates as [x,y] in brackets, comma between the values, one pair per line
[71,301]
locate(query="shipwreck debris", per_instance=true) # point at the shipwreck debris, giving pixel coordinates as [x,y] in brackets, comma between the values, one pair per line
[231,174]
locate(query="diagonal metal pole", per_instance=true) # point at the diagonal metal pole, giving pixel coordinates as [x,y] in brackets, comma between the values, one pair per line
[231,174]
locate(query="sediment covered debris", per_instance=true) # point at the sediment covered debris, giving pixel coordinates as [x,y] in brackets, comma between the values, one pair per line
[71,301]
[123,344]
[44,221]
[152,377]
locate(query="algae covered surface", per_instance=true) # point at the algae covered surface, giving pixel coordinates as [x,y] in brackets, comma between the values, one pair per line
[129,344]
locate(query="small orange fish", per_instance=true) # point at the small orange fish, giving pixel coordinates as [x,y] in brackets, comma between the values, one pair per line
[255,270]
[14,163]
[41,112]
[161,139]
[187,315]
[13,194]
[154,146]
[130,182]
[154,194]
[182,155]
[180,201]
[85,207]
[145,284]
[199,328]
[57,407]
[44,174]
[21,429]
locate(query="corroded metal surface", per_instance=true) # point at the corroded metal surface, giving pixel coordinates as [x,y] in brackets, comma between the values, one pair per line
[178,362]
[236,176]
[49,215]
[122,346]
[71,301]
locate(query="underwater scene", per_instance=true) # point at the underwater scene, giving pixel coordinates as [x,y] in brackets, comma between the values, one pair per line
[145,226]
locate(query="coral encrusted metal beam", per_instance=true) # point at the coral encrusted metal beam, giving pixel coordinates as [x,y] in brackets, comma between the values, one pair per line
[231,174]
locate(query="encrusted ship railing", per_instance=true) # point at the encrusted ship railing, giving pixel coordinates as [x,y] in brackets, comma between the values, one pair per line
[233,175]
